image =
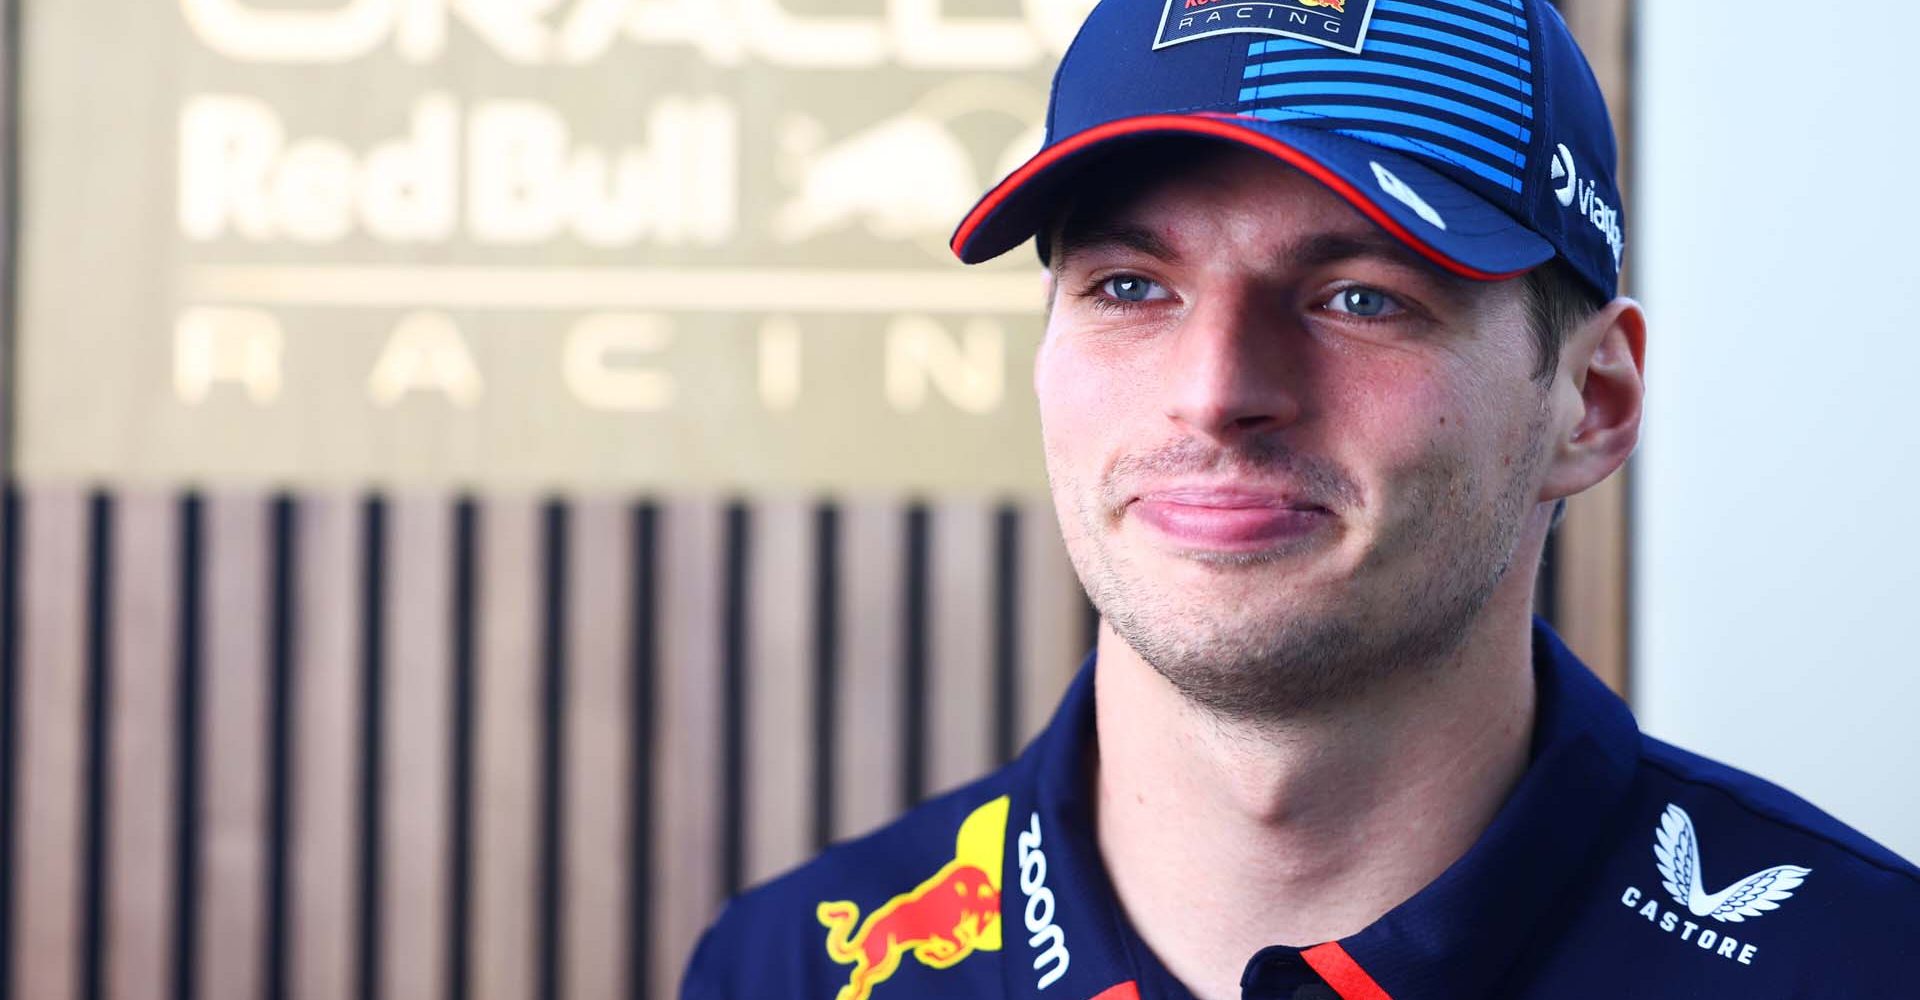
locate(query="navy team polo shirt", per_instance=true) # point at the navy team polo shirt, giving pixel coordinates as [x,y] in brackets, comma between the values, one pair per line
[1619,867]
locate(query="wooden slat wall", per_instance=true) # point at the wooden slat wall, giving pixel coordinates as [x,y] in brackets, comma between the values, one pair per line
[867,723]
[233,751]
[48,859]
[506,802]
[1590,548]
[416,723]
[780,689]
[1050,612]
[324,835]
[143,712]
[335,747]
[687,754]
[959,718]
[598,771]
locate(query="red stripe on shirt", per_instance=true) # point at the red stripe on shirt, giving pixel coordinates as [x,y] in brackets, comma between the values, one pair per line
[1343,973]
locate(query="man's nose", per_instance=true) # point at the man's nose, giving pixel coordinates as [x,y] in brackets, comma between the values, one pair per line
[1236,368]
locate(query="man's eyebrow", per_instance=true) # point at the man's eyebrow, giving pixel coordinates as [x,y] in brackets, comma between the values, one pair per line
[1080,238]
[1330,248]
[1317,250]
[1322,249]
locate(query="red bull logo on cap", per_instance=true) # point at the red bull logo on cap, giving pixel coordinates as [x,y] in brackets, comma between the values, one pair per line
[941,921]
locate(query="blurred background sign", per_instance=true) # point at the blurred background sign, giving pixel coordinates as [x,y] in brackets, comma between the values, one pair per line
[527,243]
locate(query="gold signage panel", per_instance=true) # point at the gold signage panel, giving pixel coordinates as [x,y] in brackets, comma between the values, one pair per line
[527,243]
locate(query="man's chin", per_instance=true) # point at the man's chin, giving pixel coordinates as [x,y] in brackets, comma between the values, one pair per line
[1240,670]
[1215,605]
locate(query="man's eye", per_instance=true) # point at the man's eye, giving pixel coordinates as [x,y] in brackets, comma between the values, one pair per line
[1363,302]
[1132,288]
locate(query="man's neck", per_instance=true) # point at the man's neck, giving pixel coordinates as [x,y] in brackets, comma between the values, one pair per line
[1222,839]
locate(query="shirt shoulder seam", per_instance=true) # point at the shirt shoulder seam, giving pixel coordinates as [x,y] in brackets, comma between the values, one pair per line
[1741,801]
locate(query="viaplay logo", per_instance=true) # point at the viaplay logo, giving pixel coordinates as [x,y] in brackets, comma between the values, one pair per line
[1569,187]
[1337,24]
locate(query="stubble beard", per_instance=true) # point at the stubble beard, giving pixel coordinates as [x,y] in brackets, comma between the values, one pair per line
[1267,662]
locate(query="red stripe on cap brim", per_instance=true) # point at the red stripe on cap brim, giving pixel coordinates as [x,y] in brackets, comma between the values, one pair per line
[1221,126]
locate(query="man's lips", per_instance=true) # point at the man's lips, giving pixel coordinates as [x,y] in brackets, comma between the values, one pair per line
[1228,518]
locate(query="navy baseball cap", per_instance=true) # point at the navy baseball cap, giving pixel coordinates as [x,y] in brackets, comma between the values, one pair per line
[1471,130]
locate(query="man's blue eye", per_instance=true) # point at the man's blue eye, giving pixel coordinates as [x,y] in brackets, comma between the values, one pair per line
[1129,288]
[1363,302]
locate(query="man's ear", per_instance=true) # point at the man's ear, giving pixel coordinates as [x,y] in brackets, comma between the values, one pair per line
[1597,396]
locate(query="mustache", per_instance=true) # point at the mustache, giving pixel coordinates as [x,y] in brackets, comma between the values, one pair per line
[1257,460]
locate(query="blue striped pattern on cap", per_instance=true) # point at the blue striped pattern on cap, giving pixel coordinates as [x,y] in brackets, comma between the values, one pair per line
[1449,80]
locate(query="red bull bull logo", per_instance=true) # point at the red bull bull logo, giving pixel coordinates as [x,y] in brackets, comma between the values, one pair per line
[941,921]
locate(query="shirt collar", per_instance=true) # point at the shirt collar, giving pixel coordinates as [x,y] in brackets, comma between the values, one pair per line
[1452,940]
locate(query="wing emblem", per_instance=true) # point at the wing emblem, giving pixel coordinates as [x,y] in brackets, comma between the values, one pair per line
[1676,849]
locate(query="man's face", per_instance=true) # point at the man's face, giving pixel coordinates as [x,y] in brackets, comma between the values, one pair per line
[1289,457]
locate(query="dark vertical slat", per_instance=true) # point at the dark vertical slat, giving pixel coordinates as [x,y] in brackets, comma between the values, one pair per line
[281,732]
[144,612]
[826,669]
[461,753]
[186,771]
[913,659]
[96,863]
[52,706]
[733,659]
[416,713]
[233,755]
[643,655]
[597,852]
[326,743]
[688,765]
[1007,598]
[508,717]
[9,714]
[373,645]
[779,690]
[553,818]
[869,726]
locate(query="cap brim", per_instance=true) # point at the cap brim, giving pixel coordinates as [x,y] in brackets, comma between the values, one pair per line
[1438,218]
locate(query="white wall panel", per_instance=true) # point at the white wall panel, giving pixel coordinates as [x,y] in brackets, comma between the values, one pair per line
[1775,239]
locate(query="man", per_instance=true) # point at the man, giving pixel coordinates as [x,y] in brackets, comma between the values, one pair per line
[1333,330]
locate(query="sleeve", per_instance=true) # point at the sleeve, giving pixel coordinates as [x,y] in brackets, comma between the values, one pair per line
[702,980]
